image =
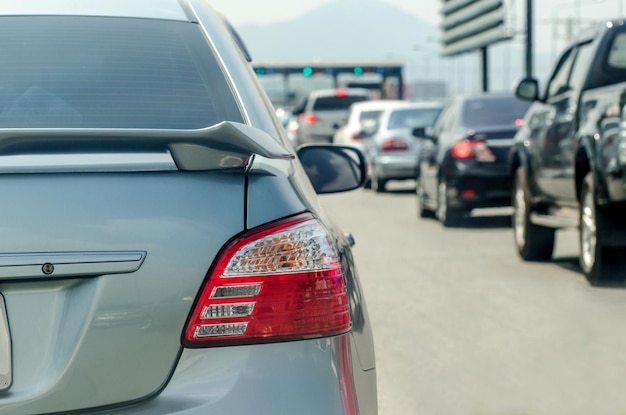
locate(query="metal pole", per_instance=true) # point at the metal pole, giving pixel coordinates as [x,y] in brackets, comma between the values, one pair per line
[485,68]
[529,38]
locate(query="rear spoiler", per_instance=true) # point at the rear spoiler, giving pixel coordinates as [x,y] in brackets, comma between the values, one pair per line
[224,146]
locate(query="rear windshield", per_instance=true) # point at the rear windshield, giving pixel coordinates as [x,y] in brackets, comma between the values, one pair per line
[504,111]
[337,103]
[95,72]
[413,118]
[369,115]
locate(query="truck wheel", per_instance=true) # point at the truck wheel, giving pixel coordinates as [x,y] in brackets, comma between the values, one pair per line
[449,217]
[600,264]
[533,242]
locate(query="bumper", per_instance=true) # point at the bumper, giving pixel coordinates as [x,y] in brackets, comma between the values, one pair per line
[392,168]
[479,189]
[301,377]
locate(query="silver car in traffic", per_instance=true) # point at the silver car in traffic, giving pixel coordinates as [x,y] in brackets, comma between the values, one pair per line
[163,248]
[392,149]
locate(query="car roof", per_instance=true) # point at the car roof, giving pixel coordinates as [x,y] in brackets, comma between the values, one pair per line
[375,104]
[333,92]
[487,96]
[153,9]
[413,104]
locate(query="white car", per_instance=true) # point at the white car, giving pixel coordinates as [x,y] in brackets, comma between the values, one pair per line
[359,115]
[322,112]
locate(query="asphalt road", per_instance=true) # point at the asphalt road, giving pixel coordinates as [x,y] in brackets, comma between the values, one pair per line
[463,326]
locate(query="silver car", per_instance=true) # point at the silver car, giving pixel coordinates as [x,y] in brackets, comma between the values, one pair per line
[163,249]
[392,149]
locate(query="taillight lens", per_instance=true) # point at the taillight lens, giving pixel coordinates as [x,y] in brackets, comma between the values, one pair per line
[394,144]
[357,136]
[311,118]
[278,282]
[472,149]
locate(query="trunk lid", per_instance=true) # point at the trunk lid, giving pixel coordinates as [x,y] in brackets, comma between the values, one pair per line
[101,262]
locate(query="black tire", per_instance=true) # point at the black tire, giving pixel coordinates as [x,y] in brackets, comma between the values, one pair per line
[449,217]
[377,184]
[422,210]
[601,265]
[533,242]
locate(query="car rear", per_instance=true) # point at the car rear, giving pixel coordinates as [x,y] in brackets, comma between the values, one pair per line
[325,111]
[478,161]
[393,150]
[143,267]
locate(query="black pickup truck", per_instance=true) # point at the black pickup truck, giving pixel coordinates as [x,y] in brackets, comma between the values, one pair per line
[569,157]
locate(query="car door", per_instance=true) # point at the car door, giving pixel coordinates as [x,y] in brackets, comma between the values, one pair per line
[429,165]
[550,124]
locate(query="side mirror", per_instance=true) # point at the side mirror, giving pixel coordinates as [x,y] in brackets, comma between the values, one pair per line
[333,168]
[368,128]
[528,89]
[419,132]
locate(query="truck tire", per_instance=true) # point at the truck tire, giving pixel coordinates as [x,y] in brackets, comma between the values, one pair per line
[601,265]
[533,242]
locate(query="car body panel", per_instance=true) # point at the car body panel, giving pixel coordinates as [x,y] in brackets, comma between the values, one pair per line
[57,360]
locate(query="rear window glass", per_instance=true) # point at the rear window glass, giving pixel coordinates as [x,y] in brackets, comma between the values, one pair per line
[93,72]
[369,115]
[413,118]
[337,103]
[503,111]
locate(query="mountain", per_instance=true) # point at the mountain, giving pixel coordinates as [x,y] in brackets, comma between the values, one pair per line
[343,29]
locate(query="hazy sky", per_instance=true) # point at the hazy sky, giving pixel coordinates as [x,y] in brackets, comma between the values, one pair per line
[549,21]
[270,11]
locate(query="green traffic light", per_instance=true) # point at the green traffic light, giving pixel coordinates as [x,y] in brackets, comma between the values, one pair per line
[260,71]
[358,71]
[308,71]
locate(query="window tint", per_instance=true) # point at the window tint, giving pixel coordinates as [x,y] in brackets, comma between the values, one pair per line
[495,111]
[617,54]
[581,65]
[369,115]
[559,82]
[78,72]
[337,103]
[413,118]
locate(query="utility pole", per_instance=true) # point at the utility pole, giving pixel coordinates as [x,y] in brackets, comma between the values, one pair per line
[529,38]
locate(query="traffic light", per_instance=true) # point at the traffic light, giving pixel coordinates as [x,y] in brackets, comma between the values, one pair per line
[358,71]
[259,71]
[308,71]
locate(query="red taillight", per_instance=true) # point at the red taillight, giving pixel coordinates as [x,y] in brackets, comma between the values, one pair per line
[519,122]
[311,118]
[341,93]
[394,144]
[279,282]
[468,193]
[357,136]
[472,149]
